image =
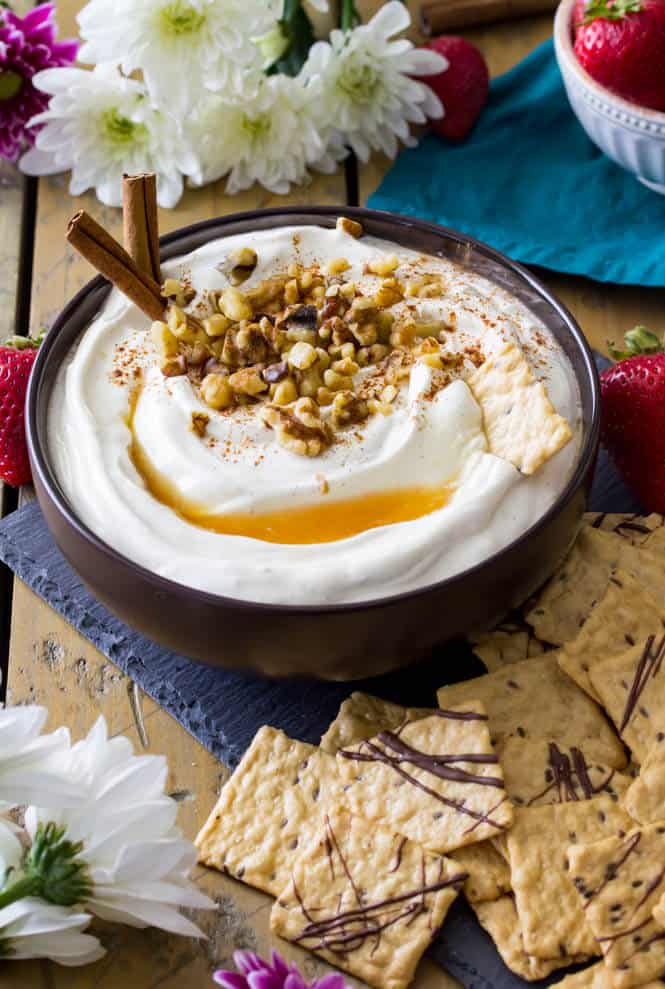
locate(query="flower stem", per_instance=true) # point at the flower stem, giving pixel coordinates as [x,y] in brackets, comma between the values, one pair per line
[25,886]
[349,15]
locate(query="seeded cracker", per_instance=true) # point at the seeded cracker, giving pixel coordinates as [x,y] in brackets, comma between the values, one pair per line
[645,798]
[501,922]
[569,597]
[548,905]
[536,700]
[268,809]
[639,530]
[626,615]
[360,716]
[366,900]
[619,882]
[438,780]
[538,772]
[489,873]
[509,643]
[631,687]
[595,977]
[519,420]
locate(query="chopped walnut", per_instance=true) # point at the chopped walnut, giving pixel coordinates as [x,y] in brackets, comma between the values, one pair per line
[199,424]
[350,227]
[239,265]
[178,292]
[347,409]
[304,341]
[298,427]
[246,345]
[427,286]
[248,381]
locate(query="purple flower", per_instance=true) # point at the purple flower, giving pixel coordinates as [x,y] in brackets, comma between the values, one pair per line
[27,45]
[255,973]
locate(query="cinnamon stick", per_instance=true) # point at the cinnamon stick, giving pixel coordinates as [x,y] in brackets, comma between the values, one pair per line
[111,260]
[437,16]
[140,223]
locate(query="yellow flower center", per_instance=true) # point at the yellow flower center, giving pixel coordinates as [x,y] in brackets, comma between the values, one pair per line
[10,84]
[256,127]
[120,130]
[180,18]
[359,82]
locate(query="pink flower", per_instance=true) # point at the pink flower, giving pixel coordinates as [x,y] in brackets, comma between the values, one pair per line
[27,45]
[255,973]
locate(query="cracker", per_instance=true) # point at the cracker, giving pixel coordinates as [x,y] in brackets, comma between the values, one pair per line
[500,920]
[511,642]
[520,422]
[626,614]
[619,882]
[365,899]
[596,977]
[268,809]
[645,798]
[438,781]
[548,905]
[536,700]
[489,873]
[568,598]
[361,716]
[637,529]
[631,687]
[538,772]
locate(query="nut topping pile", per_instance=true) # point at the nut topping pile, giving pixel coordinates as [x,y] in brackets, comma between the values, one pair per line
[295,343]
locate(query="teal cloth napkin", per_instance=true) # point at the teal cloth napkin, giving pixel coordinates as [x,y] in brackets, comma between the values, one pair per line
[529,182]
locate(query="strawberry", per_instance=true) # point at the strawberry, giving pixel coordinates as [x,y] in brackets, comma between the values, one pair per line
[621,43]
[16,359]
[462,88]
[579,11]
[633,416]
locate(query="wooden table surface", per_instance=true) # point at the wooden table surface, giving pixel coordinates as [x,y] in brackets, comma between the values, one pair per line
[51,664]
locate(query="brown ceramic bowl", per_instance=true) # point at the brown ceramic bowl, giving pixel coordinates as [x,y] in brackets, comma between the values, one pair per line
[346,641]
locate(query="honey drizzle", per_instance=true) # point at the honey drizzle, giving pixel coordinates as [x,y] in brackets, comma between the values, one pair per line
[324,522]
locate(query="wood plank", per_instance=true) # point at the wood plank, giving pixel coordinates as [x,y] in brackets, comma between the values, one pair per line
[12,187]
[604,312]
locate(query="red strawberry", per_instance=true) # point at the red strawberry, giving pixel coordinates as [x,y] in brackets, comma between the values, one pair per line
[633,416]
[579,11]
[622,45]
[16,359]
[462,88]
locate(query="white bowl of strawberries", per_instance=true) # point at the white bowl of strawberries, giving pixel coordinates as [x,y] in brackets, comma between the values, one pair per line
[611,54]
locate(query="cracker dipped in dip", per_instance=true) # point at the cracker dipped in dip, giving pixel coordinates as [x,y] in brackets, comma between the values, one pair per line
[320,417]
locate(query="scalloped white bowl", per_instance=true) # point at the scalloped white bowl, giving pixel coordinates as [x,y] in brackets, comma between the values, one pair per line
[633,136]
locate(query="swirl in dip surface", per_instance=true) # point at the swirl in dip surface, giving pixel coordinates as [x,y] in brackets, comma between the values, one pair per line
[405,496]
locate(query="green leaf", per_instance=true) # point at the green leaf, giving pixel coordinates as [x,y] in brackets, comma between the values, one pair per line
[24,343]
[639,340]
[297,31]
[52,863]
[616,12]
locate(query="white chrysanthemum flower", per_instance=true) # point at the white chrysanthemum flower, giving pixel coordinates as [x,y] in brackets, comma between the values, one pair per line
[181,46]
[136,862]
[272,138]
[367,89]
[101,125]
[30,928]
[32,765]
[11,849]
